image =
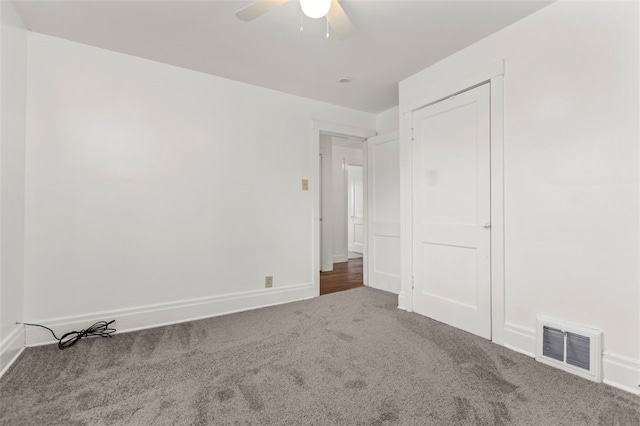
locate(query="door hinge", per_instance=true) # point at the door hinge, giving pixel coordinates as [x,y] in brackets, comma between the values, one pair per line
[413,282]
[412,133]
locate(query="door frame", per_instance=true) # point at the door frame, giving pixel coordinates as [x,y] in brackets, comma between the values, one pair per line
[325,189]
[333,129]
[430,94]
[353,162]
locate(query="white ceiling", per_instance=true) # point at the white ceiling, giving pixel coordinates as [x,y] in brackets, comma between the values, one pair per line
[393,39]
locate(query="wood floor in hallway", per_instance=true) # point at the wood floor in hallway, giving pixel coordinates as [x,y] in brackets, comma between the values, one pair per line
[345,276]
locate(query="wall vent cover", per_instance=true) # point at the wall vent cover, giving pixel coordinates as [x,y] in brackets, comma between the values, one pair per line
[553,343]
[573,348]
[578,350]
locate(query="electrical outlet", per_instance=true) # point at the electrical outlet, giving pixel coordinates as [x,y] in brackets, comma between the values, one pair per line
[268,281]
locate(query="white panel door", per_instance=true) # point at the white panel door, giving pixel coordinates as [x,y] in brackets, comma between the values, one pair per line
[383,212]
[451,211]
[355,194]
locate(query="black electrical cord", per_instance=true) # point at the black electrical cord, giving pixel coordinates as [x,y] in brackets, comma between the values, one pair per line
[99,329]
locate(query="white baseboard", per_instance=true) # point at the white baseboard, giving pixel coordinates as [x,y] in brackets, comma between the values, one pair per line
[402,302]
[384,282]
[520,339]
[144,317]
[618,370]
[340,258]
[327,267]
[621,372]
[11,348]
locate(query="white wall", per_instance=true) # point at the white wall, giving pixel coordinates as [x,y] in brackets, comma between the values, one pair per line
[13,57]
[341,156]
[571,171]
[149,184]
[388,121]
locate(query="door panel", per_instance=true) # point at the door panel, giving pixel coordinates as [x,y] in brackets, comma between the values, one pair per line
[386,252]
[451,202]
[444,264]
[383,212]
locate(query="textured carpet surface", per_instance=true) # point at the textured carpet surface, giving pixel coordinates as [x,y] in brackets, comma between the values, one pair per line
[348,358]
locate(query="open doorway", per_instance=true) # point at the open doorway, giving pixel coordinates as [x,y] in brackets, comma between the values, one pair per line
[345,276]
[342,212]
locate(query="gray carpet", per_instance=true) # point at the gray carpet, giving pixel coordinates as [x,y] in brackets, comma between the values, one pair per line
[347,358]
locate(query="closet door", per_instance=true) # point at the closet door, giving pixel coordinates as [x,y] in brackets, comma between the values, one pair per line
[451,211]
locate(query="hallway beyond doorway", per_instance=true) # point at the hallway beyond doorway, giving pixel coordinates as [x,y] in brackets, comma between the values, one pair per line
[345,276]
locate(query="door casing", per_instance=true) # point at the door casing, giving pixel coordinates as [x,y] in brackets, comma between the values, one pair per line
[354,220]
[451,211]
[323,127]
[494,75]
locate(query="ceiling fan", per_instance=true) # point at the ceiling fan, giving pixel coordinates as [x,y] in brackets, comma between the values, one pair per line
[337,19]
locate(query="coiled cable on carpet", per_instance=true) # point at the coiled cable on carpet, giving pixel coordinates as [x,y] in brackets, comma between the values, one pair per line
[99,329]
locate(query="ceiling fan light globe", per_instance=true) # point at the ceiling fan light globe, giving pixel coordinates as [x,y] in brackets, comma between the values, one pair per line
[315,8]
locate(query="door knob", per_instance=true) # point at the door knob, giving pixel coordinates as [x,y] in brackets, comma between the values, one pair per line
[486,226]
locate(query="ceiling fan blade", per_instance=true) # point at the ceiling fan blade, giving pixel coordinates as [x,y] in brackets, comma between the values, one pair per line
[339,21]
[257,9]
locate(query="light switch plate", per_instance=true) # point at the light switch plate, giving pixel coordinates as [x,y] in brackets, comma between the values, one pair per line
[305,184]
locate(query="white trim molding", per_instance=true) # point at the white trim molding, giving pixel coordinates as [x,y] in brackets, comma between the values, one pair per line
[402,302]
[621,372]
[387,137]
[520,339]
[341,130]
[405,298]
[340,258]
[315,185]
[497,207]
[325,190]
[152,316]
[365,191]
[334,129]
[430,93]
[11,347]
